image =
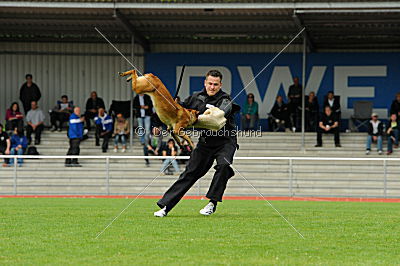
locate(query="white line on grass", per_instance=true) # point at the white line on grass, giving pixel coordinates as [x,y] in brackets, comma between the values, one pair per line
[130,203]
[113,46]
[272,206]
[270,62]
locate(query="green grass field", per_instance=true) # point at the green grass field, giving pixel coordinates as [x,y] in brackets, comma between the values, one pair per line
[63,231]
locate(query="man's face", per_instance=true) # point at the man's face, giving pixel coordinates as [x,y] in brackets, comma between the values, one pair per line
[296,81]
[374,118]
[212,85]
[328,111]
[93,95]
[33,105]
[279,99]
[29,80]
[393,117]
[311,95]
[64,100]
[77,111]
[330,96]
[398,98]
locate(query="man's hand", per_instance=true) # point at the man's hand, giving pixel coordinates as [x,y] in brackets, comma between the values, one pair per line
[247,116]
[374,138]
[7,152]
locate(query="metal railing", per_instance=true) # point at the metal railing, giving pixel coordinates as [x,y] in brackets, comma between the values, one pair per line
[288,169]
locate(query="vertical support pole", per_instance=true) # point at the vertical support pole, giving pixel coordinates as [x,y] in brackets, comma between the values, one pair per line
[385,178]
[108,175]
[15,184]
[290,177]
[131,96]
[303,103]
[198,187]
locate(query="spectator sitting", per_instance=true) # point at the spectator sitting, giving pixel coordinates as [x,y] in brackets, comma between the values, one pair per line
[328,124]
[144,110]
[28,93]
[75,135]
[61,113]
[295,95]
[169,150]
[92,107]
[392,134]
[375,132]
[312,112]
[121,131]
[279,116]
[5,144]
[334,104]
[104,128]
[35,121]
[154,144]
[19,143]
[250,113]
[14,118]
[395,107]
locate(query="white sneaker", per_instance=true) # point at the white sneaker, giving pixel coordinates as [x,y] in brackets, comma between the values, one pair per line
[367,152]
[115,150]
[208,209]
[293,129]
[123,150]
[380,152]
[161,213]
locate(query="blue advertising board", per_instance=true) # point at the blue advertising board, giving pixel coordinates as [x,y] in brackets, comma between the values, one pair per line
[354,76]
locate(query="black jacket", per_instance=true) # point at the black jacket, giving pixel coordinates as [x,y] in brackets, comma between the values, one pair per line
[328,120]
[395,108]
[279,112]
[293,91]
[95,104]
[199,101]
[29,94]
[312,107]
[335,107]
[147,101]
[371,129]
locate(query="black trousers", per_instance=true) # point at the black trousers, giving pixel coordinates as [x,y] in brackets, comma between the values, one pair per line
[15,123]
[200,162]
[334,131]
[88,116]
[106,137]
[3,151]
[74,149]
[60,117]
[37,131]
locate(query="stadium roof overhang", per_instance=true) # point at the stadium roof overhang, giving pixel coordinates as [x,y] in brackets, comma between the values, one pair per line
[329,25]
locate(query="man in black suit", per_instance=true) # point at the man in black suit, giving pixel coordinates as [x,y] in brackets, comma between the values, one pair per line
[333,103]
[328,124]
[395,107]
[294,105]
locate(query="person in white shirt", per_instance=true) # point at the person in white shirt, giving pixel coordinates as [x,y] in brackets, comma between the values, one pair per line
[375,132]
[60,113]
[35,120]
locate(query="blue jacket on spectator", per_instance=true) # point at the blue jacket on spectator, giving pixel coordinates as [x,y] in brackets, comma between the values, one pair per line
[19,140]
[75,130]
[106,122]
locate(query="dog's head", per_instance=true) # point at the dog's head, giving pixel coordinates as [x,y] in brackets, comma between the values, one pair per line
[140,84]
[193,114]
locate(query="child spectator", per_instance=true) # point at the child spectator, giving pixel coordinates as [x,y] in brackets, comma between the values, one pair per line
[28,93]
[35,121]
[75,135]
[5,144]
[104,128]
[60,113]
[14,118]
[170,150]
[19,143]
[92,107]
[392,134]
[154,144]
[250,113]
[375,132]
[121,131]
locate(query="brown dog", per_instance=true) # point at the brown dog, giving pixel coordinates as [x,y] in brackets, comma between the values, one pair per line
[170,113]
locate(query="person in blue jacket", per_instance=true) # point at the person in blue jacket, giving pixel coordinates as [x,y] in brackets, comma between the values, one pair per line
[104,128]
[75,135]
[19,143]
